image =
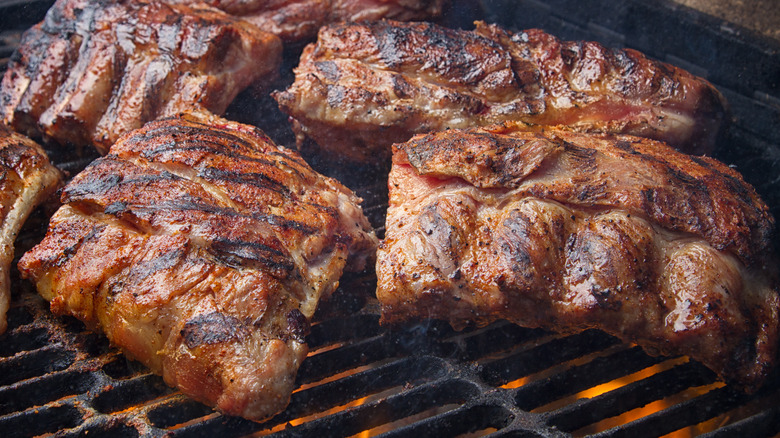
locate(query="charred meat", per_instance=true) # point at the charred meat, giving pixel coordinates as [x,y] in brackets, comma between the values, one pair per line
[567,231]
[299,20]
[26,180]
[202,250]
[362,87]
[93,70]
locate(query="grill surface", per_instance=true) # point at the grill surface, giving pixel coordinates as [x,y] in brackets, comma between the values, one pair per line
[425,379]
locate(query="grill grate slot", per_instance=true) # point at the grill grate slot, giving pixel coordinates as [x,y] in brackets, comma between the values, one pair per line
[366,416]
[497,338]
[683,414]
[483,418]
[399,373]
[47,419]
[600,370]
[110,431]
[666,383]
[179,410]
[766,423]
[35,363]
[330,363]
[128,393]
[558,350]
[41,390]
[32,338]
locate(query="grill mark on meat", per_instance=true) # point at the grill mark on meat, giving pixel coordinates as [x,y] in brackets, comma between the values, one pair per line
[449,51]
[99,69]
[212,328]
[329,69]
[156,154]
[241,253]
[83,62]
[402,88]
[610,232]
[583,159]
[655,188]
[195,205]
[441,234]
[206,275]
[201,133]
[102,185]
[142,270]
[116,208]
[69,251]
[260,180]
[297,325]
[413,78]
[47,67]
[227,207]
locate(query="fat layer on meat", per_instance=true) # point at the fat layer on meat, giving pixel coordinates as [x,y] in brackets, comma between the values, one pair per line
[93,70]
[568,231]
[27,179]
[362,87]
[202,249]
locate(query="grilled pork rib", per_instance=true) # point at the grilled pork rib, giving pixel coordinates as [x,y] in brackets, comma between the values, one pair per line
[93,70]
[299,20]
[202,249]
[362,87]
[26,180]
[567,231]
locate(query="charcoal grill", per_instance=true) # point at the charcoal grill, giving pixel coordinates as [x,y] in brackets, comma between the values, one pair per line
[424,379]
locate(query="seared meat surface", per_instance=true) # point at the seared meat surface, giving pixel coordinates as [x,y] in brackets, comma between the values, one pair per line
[93,70]
[202,250]
[362,87]
[26,180]
[567,231]
[299,20]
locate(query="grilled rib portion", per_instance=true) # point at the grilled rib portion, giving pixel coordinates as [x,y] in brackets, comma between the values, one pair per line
[202,249]
[568,231]
[93,70]
[299,20]
[27,178]
[362,87]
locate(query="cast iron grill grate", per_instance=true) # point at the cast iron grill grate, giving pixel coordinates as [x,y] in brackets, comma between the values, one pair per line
[363,379]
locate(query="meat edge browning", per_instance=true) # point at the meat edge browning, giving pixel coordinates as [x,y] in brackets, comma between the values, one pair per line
[282,356]
[79,87]
[27,161]
[406,291]
[385,91]
[204,351]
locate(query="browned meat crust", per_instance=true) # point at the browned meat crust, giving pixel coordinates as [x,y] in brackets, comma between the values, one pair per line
[362,87]
[93,70]
[26,180]
[299,20]
[202,249]
[567,231]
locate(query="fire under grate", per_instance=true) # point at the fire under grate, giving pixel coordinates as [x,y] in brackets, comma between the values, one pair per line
[362,379]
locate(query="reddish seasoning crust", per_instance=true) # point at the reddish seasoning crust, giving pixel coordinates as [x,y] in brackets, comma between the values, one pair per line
[362,87]
[551,228]
[202,250]
[93,70]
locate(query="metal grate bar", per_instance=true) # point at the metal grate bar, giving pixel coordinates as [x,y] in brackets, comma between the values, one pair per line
[546,355]
[660,385]
[766,423]
[576,379]
[681,415]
